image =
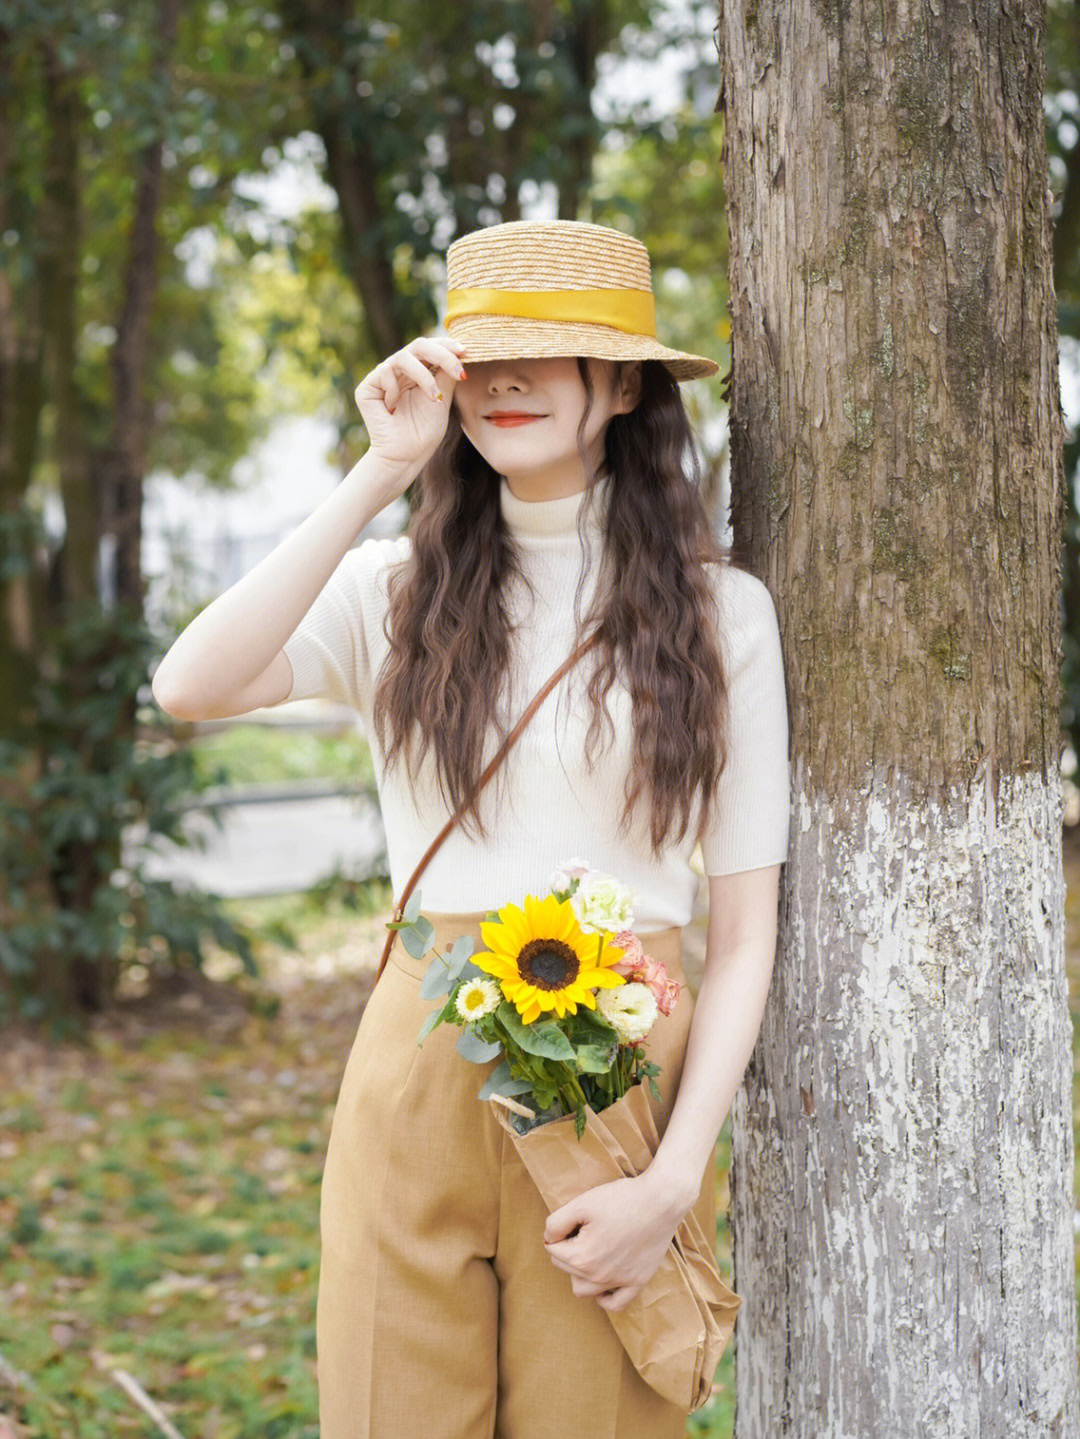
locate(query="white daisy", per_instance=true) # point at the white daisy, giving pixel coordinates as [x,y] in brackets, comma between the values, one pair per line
[630,1009]
[478,997]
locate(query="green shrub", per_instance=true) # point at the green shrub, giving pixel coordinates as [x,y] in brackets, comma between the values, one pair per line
[85,767]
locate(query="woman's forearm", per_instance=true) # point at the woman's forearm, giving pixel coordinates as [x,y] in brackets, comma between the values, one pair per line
[237,635]
[727,1018]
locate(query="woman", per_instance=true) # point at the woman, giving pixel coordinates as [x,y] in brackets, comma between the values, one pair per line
[554,505]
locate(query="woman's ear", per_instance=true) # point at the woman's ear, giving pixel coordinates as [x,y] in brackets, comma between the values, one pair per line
[629,386]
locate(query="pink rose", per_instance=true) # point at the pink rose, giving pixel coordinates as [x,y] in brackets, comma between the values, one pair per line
[633,954]
[637,965]
[672,990]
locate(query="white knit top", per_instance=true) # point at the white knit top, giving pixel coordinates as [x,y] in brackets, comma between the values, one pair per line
[545,806]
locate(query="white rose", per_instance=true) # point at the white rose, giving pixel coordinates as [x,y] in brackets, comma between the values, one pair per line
[601,902]
[629,1008]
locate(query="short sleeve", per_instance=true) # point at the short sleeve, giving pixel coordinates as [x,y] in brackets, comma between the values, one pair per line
[330,650]
[747,826]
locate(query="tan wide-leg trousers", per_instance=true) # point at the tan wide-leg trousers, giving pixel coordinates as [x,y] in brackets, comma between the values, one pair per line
[439,1312]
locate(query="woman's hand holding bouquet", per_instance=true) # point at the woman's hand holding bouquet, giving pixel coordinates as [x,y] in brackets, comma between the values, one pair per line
[564,994]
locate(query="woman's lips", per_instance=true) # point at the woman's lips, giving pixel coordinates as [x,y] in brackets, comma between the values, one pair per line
[507,420]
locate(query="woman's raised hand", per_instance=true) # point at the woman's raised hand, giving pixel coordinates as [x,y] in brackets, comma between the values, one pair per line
[401,404]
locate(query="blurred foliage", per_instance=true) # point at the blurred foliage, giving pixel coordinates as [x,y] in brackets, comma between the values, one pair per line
[263,754]
[74,915]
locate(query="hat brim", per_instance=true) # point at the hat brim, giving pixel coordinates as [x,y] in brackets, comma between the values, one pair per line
[509,337]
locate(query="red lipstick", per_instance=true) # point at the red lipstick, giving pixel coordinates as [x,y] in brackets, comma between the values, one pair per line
[512,417]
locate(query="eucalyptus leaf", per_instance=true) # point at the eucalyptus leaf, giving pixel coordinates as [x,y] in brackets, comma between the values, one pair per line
[412,909]
[460,951]
[435,1017]
[501,1081]
[473,971]
[416,941]
[471,1046]
[437,979]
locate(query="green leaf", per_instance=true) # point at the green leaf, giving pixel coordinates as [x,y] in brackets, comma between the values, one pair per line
[436,980]
[412,909]
[435,1017]
[546,1040]
[580,1120]
[472,971]
[416,941]
[500,1081]
[471,1046]
[459,954]
[595,1058]
[592,1019]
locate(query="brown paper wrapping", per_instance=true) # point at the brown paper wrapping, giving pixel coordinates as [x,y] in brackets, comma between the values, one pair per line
[679,1324]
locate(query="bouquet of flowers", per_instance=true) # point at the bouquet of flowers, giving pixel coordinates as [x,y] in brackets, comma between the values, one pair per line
[564,996]
[564,993]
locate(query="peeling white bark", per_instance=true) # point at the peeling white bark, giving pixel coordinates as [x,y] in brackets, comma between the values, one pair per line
[902,1240]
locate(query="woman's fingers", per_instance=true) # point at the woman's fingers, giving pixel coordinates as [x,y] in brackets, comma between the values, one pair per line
[443,354]
[407,367]
[585,1288]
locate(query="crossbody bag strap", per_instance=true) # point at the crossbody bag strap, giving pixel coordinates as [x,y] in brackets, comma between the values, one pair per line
[496,760]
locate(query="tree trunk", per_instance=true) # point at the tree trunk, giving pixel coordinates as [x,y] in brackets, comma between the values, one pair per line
[22,396]
[902,1150]
[126,461]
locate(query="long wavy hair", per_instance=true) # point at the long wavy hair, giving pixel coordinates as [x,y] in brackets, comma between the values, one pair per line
[654,607]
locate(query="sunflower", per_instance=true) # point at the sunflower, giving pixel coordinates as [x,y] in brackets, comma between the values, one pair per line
[544,960]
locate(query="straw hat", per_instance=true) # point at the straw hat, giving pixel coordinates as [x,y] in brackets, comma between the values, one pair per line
[557,287]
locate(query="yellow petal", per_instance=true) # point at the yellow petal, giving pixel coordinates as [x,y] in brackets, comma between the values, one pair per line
[604,978]
[495,964]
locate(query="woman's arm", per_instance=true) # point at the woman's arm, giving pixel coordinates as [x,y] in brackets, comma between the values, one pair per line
[728,1011]
[228,660]
[626,1225]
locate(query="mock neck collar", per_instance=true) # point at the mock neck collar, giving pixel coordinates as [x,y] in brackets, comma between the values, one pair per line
[553,519]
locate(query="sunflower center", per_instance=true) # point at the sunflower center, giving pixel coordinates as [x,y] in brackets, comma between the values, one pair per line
[548,963]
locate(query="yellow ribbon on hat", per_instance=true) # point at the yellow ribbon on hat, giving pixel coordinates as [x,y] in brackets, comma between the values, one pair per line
[630,310]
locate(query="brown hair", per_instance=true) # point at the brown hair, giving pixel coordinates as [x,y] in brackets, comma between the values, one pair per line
[655,609]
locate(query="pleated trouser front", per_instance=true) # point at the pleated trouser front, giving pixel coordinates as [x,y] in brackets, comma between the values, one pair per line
[439,1311]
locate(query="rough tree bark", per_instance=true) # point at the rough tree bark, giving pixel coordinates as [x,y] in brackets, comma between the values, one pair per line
[902,1144]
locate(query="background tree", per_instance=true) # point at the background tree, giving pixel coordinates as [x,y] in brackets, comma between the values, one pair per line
[128,145]
[85,114]
[902,1146]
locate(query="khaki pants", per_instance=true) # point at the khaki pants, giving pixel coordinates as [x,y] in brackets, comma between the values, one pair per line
[439,1312]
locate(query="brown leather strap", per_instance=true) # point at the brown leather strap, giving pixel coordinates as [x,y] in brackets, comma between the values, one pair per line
[503,750]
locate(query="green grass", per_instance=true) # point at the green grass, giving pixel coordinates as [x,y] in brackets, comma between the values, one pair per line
[262,754]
